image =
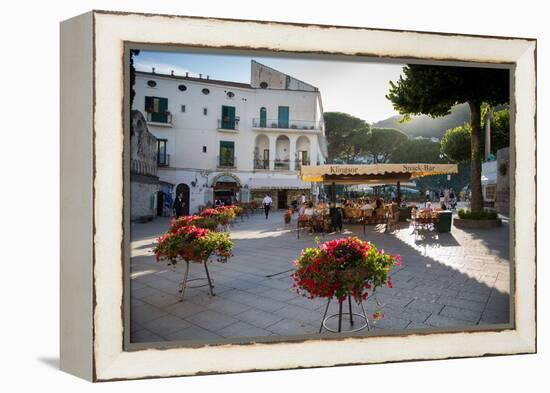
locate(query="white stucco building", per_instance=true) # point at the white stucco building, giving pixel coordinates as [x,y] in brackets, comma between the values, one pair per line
[219,138]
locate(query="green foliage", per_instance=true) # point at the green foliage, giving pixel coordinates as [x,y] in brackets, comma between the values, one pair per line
[426,126]
[133,52]
[484,214]
[456,143]
[434,90]
[500,129]
[418,150]
[342,131]
[381,143]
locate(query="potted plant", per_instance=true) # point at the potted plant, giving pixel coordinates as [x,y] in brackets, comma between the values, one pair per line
[191,243]
[343,269]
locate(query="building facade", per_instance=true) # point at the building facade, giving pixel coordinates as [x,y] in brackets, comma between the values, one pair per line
[223,140]
[144,181]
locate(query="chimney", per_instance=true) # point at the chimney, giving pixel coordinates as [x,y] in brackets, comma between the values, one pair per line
[200,76]
[153,70]
[207,76]
[172,72]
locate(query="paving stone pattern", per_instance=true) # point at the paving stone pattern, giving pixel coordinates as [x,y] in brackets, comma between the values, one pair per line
[455,279]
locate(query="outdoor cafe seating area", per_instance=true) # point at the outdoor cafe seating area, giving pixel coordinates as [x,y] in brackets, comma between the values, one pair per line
[318,219]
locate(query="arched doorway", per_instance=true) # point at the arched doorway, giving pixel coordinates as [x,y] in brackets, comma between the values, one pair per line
[183,189]
[226,188]
[261,152]
[282,152]
[302,151]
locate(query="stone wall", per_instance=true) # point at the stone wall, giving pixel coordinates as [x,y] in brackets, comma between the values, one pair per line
[144,182]
[143,199]
[502,202]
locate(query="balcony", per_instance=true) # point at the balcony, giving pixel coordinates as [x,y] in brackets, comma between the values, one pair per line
[261,164]
[300,163]
[226,162]
[228,125]
[296,125]
[282,165]
[163,160]
[159,119]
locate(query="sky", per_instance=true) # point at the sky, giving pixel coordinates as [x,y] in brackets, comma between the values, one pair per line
[355,87]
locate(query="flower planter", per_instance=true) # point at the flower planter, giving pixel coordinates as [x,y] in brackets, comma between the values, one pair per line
[343,269]
[476,224]
[190,243]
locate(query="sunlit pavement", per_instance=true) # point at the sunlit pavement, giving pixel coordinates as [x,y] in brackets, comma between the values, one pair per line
[448,280]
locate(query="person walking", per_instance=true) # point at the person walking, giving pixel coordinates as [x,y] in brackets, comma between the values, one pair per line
[267,205]
[179,206]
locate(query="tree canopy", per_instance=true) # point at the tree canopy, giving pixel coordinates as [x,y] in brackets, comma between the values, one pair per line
[456,142]
[434,90]
[343,131]
[382,143]
[418,150]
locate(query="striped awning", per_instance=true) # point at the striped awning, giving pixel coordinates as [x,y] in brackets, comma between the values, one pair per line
[278,184]
[373,173]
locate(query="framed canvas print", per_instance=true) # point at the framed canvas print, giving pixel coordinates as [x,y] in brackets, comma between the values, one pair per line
[249,195]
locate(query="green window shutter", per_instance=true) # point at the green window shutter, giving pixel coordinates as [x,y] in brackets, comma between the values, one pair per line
[228,117]
[148,104]
[283,117]
[227,153]
[263,117]
[158,106]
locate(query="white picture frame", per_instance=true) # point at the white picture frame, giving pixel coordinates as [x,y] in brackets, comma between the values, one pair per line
[92,194]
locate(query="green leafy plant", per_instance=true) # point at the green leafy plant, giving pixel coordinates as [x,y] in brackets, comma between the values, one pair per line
[484,214]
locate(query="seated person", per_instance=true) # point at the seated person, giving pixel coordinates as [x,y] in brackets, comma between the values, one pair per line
[443,206]
[308,211]
[428,208]
[367,206]
[302,209]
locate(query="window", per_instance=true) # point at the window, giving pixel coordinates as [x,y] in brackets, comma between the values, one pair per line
[204,149]
[205,111]
[303,157]
[163,159]
[263,117]
[205,91]
[182,108]
[157,109]
[263,85]
[227,153]
[151,83]
[182,87]
[283,117]
[228,117]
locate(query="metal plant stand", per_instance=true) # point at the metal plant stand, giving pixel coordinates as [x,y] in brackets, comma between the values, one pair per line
[340,315]
[184,284]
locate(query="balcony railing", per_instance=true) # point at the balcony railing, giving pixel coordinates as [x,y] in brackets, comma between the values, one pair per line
[282,165]
[306,125]
[261,164]
[226,162]
[228,124]
[163,118]
[300,163]
[163,159]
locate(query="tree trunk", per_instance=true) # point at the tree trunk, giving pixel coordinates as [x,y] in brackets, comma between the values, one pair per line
[476,202]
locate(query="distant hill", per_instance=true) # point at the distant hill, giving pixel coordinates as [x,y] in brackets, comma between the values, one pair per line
[426,126]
